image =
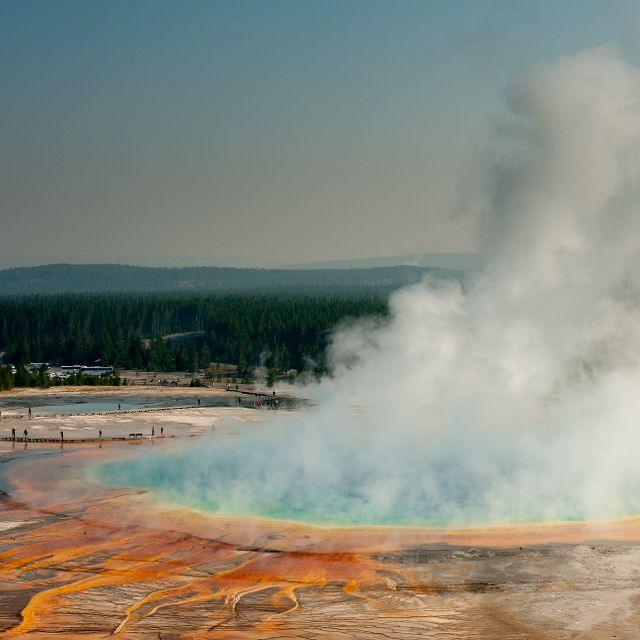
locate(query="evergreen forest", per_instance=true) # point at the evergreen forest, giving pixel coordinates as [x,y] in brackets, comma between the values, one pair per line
[179,332]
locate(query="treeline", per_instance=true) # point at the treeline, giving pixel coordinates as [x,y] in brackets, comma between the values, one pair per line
[41,378]
[130,331]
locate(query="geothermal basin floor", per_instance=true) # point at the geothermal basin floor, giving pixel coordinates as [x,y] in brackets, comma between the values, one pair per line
[79,560]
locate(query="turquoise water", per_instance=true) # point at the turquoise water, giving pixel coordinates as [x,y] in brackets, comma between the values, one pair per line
[349,475]
[348,507]
[225,482]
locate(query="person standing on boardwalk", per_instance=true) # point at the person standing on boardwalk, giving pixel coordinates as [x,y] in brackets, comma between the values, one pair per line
[100,434]
[162,431]
[13,433]
[26,433]
[153,430]
[198,401]
[29,411]
[61,434]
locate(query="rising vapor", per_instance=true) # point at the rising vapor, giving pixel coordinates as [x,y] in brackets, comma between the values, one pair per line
[514,399]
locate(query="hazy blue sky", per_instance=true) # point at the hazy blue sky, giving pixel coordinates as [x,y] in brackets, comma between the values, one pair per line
[260,132]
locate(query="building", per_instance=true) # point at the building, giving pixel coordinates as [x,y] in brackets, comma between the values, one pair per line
[87,371]
[36,366]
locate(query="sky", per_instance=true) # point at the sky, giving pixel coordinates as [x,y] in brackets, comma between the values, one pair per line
[264,132]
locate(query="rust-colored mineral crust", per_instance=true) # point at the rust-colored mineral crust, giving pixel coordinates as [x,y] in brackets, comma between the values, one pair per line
[82,561]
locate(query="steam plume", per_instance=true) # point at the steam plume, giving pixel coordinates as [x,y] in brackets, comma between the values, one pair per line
[516,399]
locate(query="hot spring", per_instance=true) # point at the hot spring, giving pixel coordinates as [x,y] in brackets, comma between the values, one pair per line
[294,469]
[511,397]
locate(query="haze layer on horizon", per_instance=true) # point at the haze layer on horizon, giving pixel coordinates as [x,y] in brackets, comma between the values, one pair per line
[261,133]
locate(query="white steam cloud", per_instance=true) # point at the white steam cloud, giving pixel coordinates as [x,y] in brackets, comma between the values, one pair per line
[516,399]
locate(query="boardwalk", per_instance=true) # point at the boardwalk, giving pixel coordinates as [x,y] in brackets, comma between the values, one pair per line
[132,437]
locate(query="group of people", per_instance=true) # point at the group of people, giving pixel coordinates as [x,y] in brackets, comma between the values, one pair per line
[26,433]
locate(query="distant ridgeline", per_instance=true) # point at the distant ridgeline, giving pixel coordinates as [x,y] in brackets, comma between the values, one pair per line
[114,278]
[281,320]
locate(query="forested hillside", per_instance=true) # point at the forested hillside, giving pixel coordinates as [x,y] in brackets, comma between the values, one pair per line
[113,278]
[280,331]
